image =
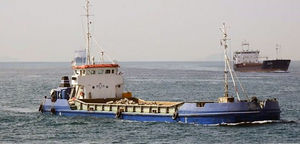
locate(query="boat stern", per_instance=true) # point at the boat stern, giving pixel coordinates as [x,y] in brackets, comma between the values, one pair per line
[54,107]
[271,109]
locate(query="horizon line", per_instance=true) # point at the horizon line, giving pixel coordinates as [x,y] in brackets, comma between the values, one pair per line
[119,61]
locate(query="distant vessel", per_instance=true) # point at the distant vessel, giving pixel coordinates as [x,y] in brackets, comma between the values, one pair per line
[96,89]
[247,60]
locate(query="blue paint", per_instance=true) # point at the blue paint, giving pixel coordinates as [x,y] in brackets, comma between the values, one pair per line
[211,113]
[59,105]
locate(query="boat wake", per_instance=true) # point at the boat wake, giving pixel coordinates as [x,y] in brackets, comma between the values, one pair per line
[280,72]
[18,110]
[257,122]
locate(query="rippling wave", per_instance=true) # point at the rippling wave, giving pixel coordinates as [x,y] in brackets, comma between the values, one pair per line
[23,85]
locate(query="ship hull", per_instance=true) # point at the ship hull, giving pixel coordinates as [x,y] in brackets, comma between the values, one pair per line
[276,65]
[211,113]
[281,65]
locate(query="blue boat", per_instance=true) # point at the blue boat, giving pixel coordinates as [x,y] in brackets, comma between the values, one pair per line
[96,89]
[196,112]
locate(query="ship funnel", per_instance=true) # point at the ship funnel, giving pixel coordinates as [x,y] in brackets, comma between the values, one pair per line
[64,82]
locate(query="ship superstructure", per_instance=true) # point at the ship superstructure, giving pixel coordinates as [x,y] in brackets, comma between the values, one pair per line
[246,55]
[97,81]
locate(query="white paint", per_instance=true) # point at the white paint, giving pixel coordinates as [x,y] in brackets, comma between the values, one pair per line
[246,56]
[97,83]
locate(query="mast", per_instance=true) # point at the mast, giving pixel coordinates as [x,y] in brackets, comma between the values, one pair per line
[224,43]
[277,51]
[88,34]
[228,67]
[245,44]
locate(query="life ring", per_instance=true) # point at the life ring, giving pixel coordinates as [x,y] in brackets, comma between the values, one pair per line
[118,114]
[175,115]
[53,111]
[41,109]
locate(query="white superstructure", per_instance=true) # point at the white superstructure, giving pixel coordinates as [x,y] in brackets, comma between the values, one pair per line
[91,80]
[246,56]
[97,81]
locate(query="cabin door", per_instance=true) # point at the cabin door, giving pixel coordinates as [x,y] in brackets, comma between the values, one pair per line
[118,92]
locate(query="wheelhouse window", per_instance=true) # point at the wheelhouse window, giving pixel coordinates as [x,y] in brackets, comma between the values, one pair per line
[112,71]
[100,71]
[107,71]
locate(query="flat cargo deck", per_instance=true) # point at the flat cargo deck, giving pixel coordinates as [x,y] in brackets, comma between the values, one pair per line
[127,105]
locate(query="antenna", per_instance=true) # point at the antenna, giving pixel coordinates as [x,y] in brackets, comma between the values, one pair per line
[88,34]
[277,50]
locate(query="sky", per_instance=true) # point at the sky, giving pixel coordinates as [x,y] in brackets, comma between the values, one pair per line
[147,30]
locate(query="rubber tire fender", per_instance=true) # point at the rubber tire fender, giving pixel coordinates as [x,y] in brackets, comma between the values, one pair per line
[175,115]
[41,109]
[118,114]
[53,111]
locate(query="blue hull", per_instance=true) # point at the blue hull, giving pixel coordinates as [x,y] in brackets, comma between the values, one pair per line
[211,113]
[195,119]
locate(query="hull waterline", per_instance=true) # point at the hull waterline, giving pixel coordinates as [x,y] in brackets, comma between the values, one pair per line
[213,113]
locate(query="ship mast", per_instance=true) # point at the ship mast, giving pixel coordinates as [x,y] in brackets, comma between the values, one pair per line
[224,43]
[89,38]
[277,51]
[88,34]
[228,67]
[245,43]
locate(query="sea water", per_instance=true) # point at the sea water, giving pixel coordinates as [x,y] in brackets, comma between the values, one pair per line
[23,86]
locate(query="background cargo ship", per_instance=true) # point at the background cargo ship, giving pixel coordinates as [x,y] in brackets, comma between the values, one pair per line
[247,60]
